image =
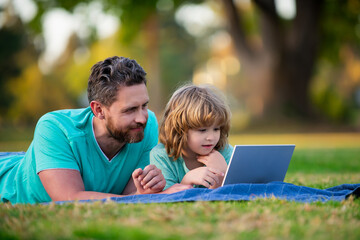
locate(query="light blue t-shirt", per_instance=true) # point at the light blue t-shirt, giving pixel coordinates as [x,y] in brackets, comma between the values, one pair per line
[174,171]
[65,139]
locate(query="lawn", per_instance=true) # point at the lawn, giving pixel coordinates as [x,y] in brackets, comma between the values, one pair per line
[317,162]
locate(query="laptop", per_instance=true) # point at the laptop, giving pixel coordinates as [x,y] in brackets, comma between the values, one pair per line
[258,163]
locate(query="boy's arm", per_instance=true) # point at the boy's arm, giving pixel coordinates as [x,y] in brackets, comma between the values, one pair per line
[205,176]
[162,161]
[214,160]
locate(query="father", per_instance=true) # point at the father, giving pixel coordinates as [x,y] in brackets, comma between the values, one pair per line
[97,152]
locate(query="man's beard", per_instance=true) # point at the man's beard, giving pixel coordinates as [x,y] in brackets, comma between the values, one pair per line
[125,135]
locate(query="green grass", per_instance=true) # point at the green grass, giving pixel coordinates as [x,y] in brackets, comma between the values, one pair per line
[325,160]
[14,146]
[323,168]
[14,139]
[265,219]
[258,219]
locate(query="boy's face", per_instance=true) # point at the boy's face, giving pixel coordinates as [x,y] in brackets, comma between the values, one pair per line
[126,118]
[202,141]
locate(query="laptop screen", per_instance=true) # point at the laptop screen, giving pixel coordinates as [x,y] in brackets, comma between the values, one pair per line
[258,163]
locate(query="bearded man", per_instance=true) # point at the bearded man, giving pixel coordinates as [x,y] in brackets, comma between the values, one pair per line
[97,152]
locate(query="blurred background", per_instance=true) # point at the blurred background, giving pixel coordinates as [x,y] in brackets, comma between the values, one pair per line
[284,65]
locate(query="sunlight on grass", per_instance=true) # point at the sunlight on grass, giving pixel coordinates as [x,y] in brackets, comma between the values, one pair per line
[316,140]
[305,141]
[322,180]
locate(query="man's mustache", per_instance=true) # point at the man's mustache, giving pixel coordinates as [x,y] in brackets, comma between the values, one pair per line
[138,125]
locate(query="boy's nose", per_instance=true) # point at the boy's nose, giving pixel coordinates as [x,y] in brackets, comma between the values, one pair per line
[210,137]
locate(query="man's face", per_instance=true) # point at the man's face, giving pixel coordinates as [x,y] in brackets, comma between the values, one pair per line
[126,118]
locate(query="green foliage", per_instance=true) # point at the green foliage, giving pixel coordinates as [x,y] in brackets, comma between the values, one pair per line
[35,95]
[134,16]
[178,53]
[13,41]
[331,104]
[67,82]
[338,55]
[339,26]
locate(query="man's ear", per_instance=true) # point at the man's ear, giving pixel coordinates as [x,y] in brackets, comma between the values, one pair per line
[98,109]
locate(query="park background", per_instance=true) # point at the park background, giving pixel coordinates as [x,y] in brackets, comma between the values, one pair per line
[290,70]
[285,66]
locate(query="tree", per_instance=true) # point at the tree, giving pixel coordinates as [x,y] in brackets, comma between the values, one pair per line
[142,23]
[15,51]
[278,63]
[282,66]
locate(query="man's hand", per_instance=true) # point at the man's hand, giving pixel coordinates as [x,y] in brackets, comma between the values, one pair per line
[205,176]
[214,160]
[149,180]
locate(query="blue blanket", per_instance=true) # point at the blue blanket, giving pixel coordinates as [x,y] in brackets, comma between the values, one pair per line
[246,192]
[238,192]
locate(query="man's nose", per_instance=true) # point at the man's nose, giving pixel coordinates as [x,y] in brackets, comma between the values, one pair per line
[141,117]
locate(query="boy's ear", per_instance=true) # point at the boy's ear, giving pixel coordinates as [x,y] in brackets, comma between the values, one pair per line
[97,109]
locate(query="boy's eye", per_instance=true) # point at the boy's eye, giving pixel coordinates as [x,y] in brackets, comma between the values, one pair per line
[217,129]
[202,130]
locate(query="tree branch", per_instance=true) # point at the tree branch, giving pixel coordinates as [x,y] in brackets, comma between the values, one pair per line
[268,7]
[270,27]
[305,22]
[303,39]
[237,31]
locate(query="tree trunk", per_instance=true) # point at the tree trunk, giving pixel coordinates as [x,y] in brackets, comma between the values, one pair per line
[294,70]
[153,64]
[280,70]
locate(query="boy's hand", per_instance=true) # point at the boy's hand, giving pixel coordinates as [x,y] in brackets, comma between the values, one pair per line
[177,188]
[214,160]
[205,176]
[149,180]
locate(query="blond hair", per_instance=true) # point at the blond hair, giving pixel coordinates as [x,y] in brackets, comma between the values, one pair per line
[192,107]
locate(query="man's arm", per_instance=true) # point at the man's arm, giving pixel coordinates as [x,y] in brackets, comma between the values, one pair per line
[67,184]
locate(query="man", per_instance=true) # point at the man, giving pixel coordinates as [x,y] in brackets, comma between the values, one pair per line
[97,152]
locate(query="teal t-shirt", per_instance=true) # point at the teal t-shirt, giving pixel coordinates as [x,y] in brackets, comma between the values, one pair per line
[174,171]
[65,139]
